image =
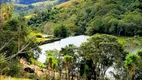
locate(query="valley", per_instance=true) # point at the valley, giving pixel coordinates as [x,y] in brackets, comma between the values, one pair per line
[71,39]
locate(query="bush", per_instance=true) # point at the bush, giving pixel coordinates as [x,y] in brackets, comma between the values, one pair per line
[60,31]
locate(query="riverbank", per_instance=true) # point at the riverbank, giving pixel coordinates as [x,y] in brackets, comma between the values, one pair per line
[49,41]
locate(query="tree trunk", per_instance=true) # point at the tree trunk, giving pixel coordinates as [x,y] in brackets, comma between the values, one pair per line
[53,74]
[68,74]
[60,74]
[72,75]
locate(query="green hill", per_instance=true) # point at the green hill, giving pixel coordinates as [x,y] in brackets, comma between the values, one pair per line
[117,17]
[29,6]
[33,6]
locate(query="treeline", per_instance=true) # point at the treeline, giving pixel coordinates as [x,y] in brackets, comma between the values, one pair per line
[117,17]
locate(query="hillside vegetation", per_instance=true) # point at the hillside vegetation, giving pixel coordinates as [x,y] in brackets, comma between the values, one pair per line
[68,3]
[28,6]
[114,47]
[117,17]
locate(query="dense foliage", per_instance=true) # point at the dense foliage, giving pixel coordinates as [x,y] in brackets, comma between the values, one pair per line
[118,17]
[101,57]
[104,51]
[15,42]
[94,58]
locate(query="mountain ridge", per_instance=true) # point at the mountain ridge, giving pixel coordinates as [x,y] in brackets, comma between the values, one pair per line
[28,2]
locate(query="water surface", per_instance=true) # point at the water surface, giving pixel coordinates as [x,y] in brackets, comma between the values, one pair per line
[76,40]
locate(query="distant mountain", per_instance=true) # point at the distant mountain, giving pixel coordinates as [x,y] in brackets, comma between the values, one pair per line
[22,1]
[61,1]
[31,1]
[28,1]
[25,5]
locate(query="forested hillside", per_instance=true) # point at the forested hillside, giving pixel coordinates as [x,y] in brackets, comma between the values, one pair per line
[107,36]
[29,6]
[117,17]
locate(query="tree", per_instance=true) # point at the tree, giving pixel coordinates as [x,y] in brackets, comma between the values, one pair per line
[104,51]
[95,26]
[137,74]
[131,62]
[68,60]
[15,29]
[3,66]
[14,40]
[54,66]
[139,53]
[71,50]
[60,31]
[6,13]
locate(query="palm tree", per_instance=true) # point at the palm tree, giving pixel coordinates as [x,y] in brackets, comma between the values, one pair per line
[68,60]
[49,61]
[54,65]
[71,50]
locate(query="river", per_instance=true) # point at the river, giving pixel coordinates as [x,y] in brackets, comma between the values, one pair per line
[76,40]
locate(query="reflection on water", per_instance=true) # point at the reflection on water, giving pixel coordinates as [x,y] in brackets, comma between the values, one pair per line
[77,41]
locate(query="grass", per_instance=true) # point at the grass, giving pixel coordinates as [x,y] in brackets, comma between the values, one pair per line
[12,78]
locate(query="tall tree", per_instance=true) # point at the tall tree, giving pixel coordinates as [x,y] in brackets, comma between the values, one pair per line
[104,51]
